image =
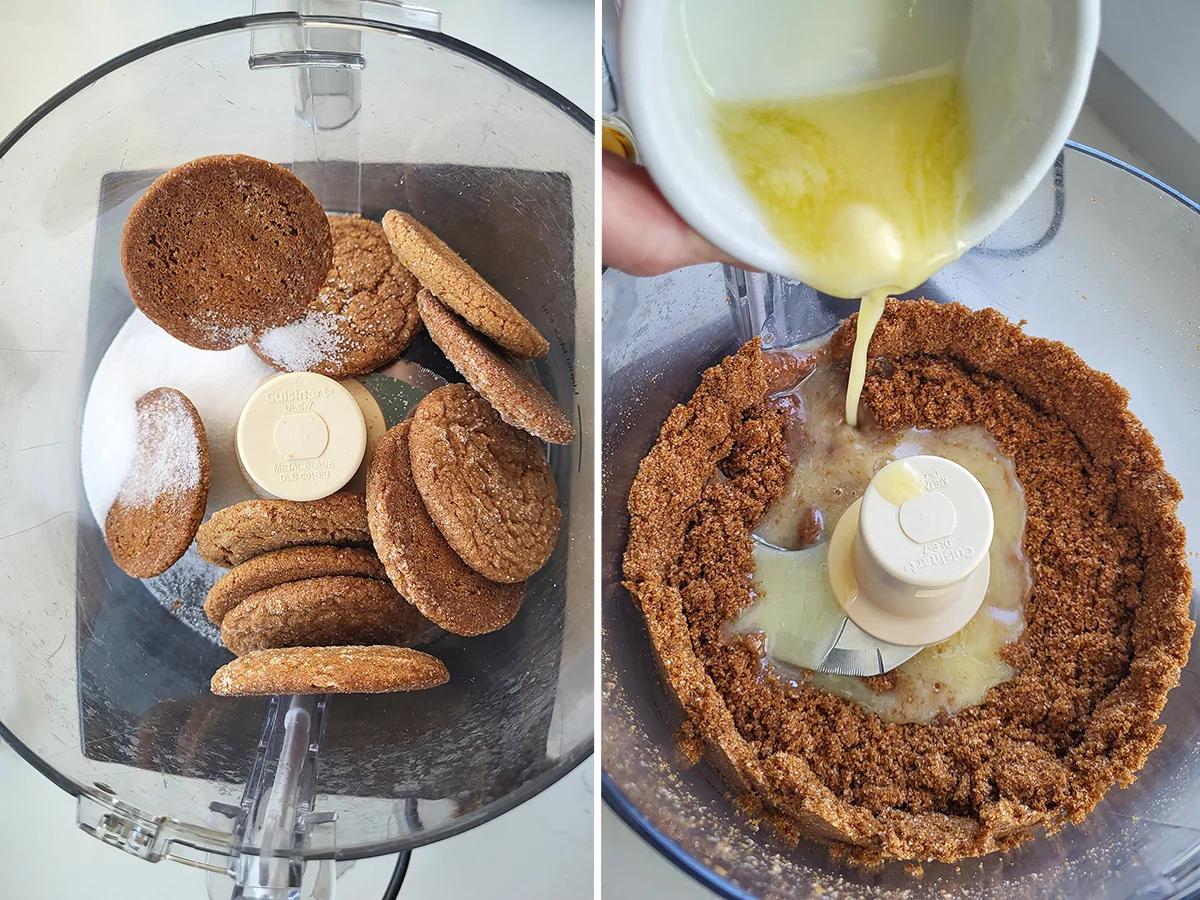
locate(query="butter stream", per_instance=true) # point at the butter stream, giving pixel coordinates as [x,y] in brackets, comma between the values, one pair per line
[869,313]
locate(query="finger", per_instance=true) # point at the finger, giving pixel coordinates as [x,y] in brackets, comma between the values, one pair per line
[641,234]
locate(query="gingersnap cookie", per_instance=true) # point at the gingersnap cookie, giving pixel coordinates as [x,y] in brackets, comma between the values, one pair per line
[161,502]
[486,485]
[319,612]
[253,527]
[515,393]
[329,670]
[222,248]
[422,566]
[363,317]
[282,566]
[460,287]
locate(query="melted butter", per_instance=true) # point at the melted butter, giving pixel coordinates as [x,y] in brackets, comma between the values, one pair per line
[865,182]
[869,314]
[865,187]
[800,623]
[834,463]
[899,483]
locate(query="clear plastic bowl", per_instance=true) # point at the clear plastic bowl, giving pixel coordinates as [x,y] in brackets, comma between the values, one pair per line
[105,690]
[1102,257]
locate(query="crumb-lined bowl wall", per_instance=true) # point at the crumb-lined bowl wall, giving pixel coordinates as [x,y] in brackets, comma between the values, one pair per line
[1102,258]
[103,687]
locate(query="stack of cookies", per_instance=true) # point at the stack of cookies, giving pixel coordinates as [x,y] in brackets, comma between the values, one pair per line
[462,509]
[307,605]
[461,506]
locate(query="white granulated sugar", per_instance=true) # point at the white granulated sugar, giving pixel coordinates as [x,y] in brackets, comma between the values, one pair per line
[300,345]
[143,357]
[166,460]
[231,335]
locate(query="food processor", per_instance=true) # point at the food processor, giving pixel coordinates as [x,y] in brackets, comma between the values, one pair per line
[1102,257]
[103,688]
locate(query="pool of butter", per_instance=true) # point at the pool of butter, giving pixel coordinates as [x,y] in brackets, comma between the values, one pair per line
[833,463]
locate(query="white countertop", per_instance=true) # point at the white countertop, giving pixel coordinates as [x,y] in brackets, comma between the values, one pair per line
[542,849]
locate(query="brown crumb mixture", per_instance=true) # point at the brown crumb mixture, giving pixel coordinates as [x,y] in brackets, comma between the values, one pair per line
[1107,627]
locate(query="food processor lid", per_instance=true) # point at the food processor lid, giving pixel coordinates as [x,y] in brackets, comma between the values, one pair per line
[920,558]
[1104,257]
[106,692]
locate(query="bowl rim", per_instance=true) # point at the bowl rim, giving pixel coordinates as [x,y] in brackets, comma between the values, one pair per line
[578,754]
[629,813]
[236,23]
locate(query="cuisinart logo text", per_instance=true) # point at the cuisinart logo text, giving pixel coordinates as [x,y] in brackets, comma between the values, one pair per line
[939,553]
[298,401]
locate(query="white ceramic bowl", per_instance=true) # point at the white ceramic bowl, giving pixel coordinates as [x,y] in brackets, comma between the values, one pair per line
[1026,72]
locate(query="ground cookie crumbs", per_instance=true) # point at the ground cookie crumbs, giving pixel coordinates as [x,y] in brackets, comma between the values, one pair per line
[1107,626]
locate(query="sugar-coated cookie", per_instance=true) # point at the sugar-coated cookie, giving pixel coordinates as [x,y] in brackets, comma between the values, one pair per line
[161,502]
[363,317]
[282,566]
[329,670]
[515,393]
[486,485]
[318,612]
[460,287]
[240,532]
[222,248]
[423,567]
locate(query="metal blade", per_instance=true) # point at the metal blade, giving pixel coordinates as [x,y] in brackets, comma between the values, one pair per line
[857,653]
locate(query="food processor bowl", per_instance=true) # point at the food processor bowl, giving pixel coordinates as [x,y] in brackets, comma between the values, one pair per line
[103,688]
[1102,257]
